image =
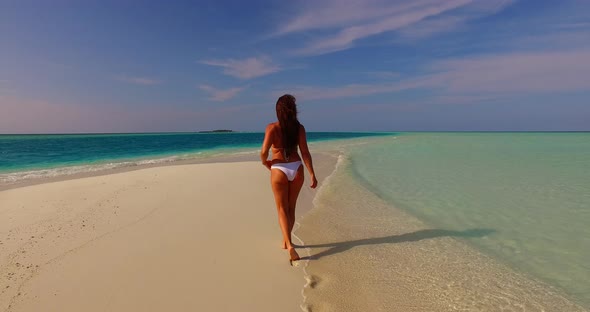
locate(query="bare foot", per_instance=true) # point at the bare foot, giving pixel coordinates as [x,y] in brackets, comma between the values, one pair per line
[294,256]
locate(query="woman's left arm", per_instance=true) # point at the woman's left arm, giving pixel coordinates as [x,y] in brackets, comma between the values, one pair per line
[266,147]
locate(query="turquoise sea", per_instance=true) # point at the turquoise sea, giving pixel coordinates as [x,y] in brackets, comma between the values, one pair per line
[522,199]
[47,155]
[532,189]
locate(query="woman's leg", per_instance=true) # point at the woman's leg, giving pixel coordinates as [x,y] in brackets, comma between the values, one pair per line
[294,189]
[280,188]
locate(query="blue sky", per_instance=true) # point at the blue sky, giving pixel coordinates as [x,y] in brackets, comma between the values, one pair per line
[374,65]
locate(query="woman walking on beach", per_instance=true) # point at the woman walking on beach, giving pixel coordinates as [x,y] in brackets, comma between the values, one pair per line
[286,170]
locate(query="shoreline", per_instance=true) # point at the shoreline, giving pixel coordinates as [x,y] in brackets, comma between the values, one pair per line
[363,252]
[225,158]
[200,150]
[107,171]
[328,146]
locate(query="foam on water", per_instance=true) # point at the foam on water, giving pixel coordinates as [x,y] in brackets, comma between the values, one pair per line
[14,177]
[310,281]
[20,176]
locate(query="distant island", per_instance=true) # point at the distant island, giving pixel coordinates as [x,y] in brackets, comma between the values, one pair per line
[216,131]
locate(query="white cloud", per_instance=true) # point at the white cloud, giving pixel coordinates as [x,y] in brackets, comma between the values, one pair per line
[144,81]
[554,71]
[429,27]
[337,14]
[220,95]
[345,38]
[487,76]
[353,90]
[340,23]
[246,68]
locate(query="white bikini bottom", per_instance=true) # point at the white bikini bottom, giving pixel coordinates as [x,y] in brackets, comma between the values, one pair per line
[290,168]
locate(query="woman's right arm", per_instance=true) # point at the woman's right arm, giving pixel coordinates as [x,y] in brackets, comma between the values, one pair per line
[306,155]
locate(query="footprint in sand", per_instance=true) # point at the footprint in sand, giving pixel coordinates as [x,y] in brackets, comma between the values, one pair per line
[312,281]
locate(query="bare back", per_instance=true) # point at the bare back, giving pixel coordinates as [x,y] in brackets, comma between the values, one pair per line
[277,145]
[273,141]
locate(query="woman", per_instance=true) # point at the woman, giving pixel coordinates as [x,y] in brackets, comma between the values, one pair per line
[286,171]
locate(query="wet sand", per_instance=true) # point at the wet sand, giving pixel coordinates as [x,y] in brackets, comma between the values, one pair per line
[365,255]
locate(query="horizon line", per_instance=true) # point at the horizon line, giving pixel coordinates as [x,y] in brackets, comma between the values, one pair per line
[354,131]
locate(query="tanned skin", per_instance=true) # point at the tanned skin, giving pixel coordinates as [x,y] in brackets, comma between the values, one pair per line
[285,191]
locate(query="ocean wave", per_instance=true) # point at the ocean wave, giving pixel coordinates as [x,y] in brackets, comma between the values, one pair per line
[20,176]
[15,177]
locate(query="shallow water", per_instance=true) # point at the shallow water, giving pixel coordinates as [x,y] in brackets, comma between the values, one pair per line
[454,221]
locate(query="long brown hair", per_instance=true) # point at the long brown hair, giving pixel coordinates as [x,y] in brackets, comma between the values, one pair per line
[287,116]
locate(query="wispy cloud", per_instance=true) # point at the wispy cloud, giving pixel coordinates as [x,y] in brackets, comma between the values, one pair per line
[430,27]
[454,19]
[463,99]
[219,94]
[580,25]
[553,71]
[246,68]
[383,74]
[486,76]
[353,90]
[562,39]
[337,14]
[144,81]
[341,23]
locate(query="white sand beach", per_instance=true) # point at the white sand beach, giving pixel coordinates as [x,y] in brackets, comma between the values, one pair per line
[201,237]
